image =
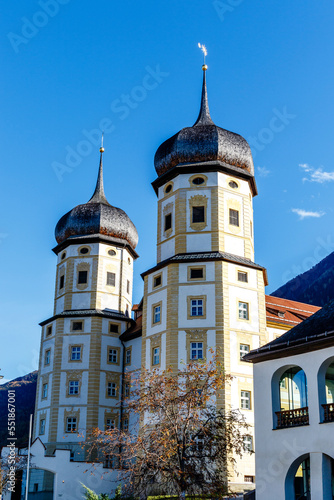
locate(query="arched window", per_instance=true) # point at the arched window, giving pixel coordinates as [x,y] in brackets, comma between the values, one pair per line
[289,391]
[326,390]
[298,479]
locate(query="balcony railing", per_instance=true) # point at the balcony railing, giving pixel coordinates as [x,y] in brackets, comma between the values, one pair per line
[328,412]
[292,418]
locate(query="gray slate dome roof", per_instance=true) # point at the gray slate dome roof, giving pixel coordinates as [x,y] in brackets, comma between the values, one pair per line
[202,142]
[97,216]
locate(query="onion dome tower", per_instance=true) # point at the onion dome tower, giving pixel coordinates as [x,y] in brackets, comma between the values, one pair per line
[205,142]
[80,371]
[206,293]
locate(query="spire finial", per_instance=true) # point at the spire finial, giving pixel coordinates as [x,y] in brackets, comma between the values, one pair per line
[102,148]
[204,117]
[205,53]
[99,196]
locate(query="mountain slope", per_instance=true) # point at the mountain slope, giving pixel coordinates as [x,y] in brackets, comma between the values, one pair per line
[25,394]
[312,287]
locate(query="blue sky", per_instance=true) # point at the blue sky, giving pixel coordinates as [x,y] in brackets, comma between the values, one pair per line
[66,67]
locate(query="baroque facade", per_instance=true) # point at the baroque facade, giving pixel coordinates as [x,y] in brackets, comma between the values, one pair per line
[205,292]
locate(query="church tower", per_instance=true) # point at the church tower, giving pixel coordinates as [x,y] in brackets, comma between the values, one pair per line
[206,292]
[81,356]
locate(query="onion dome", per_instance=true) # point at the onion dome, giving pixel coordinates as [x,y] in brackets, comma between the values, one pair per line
[97,216]
[204,142]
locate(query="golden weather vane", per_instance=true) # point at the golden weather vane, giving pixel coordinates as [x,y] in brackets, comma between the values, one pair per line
[205,53]
[102,148]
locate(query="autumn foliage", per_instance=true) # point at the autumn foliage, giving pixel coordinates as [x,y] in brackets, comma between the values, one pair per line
[181,440]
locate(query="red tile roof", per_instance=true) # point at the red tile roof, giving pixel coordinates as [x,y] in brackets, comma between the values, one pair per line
[287,312]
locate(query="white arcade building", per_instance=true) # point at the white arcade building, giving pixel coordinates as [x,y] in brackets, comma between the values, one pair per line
[294,412]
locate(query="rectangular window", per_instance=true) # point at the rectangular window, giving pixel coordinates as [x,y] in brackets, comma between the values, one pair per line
[71,424]
[242,276]
[197,273]
[198,214]
[157,281]
[245,400]
[125,424]
[248,443]
[42,426]
[234,217]
[196,350]
[249,479]
[35,487]
[49,331]
[76,353]
[111,279]
[127,286]
[111,389]
[156,356]
[157,314]
[82,277]
[45,391]
[110,424]
[127,390]
[113,328]
[47,357]
[73,387]
[128,357]
[77,326]
[243,310]
[244,349]
[168,222]
[112,356]
[196,307]
[61,281]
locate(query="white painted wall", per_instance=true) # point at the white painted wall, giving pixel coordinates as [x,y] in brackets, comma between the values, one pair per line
[276,450]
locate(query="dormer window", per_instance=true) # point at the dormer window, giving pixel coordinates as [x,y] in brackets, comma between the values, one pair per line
[281,314]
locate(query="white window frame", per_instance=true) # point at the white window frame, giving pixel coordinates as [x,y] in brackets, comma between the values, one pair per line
[157,314]
[45,391]
[112,389]
[112,356]
[244,351]
[197,307]
[156,356]
[248,443]
[71,424]
[73,387]
[196,350]
[42,427]
[47,358]
[243,310]
[110,424]
[245,400]
[74,353]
